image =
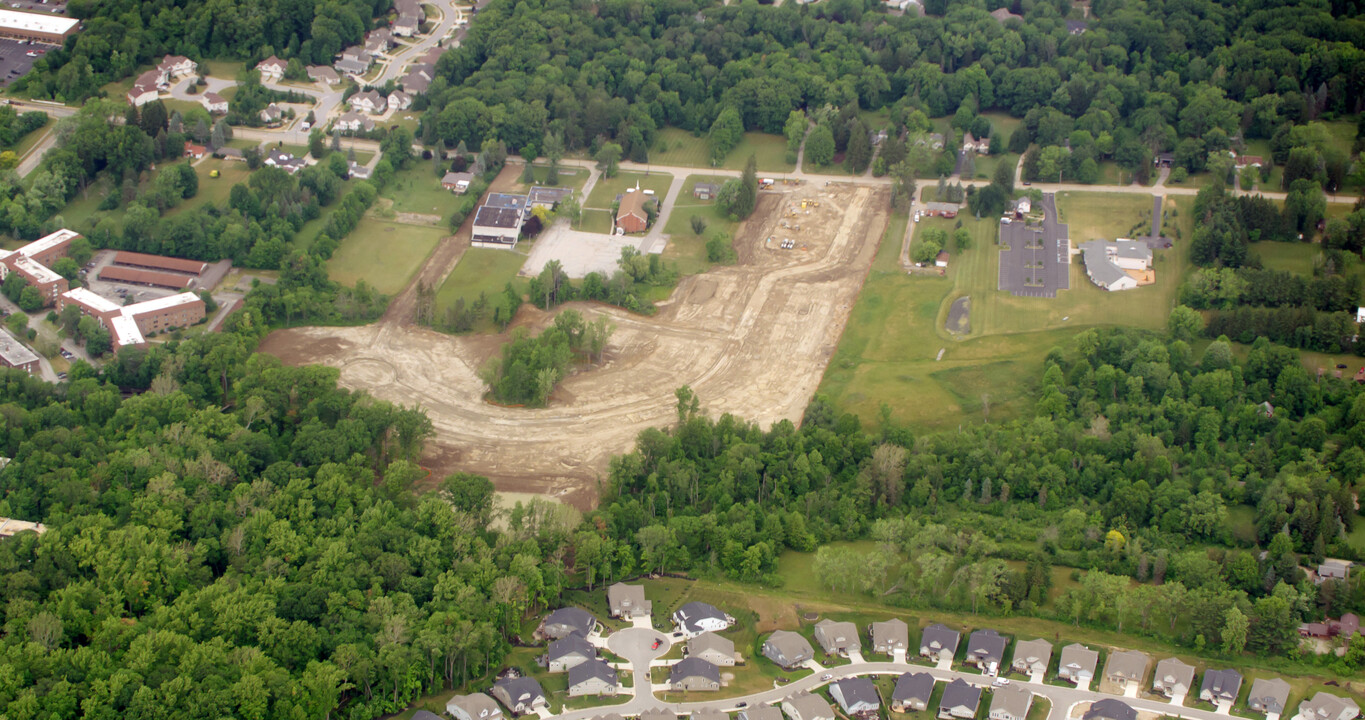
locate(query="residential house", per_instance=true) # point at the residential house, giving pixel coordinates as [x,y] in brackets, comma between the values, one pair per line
[705,190]
[567,621]
[195,151]
[567,652]
[1110,709]
[1003,15]
[399,100]
[935,141]
[889,636]
[627,601]
[631,216]
[857,697]
[146,88]
[369,101]
[415,82]
[592,678]
[228,153]
[406,26]
[1333,570]
[912,692]
[352,67]
[1164,159]
[938,642]
[272,69]
[378,42]
[1268,695]
[695,618]
[1076,27]
[1220,686]
[1125,666]
[272,114]
[980,146]
[519,695]
[1077,663]
[457,183]
[1023,206]
[357,52]
[1173,678]
[837,638]
[213,102]
[323,74]
[694,673]
[714,714]
[177,66]
[712,648]
[1243,161]
[473,707]
[960,700]
[358,171]
[1010,702]
[760,712]
[353,122]
[284,161]
[941,209]
[656,714]
[941,260]
[787,649]
[1328,707]
[1031,656]
[986,648]
[807,707]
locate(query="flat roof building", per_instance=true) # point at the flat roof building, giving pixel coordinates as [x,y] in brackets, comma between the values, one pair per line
[160,262]
[33,26]
[153,278]
[496,227]
[14,354]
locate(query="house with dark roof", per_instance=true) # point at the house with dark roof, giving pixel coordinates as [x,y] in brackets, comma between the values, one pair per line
[519,695]
[1076,27]
[912,692]
[567,621]
[705,190]
[986,650]
[712,648]
[592,678]
[837,638]
[1110,709]
[960,700]
[695,618]
[856,696]
[787,649]
[1220,686]
[567,652]
[938,641]
[694,673]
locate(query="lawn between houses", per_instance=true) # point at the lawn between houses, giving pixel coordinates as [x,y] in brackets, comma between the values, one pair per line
[889,350]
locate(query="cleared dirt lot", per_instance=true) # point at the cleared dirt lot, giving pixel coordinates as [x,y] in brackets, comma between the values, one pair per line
[752,339]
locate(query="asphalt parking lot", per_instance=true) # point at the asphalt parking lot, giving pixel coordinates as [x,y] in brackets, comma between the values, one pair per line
[14,59]
[55,8]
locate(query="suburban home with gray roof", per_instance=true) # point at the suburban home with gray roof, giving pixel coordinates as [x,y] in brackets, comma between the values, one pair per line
[912,692]
[519,695]
[807,707]
[567,652]
[693,673]
[1077,663]
[714,714]
[695,618]
[1173,677]
[659,714]
[986,650]
[1328,707]
[938,641]
[595,677]
[712,648]
[613,716]
[477,706]
[627,601]
[889,636]
[837,638]
[1220,686]
[856,696]
[960,700]
[1031,656]
[567,621]
[1268,695]
[1110,709]
[1010,702]
[1125,666]
[787,649]
[760,712]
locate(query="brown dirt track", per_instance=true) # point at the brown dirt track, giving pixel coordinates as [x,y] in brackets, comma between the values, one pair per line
[752,339]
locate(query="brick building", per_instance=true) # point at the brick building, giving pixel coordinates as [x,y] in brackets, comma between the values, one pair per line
[15,355]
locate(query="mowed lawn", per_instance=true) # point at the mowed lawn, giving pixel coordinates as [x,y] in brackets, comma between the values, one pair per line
[685,247]
[383,254]
[606,190]
[1296,258]
[888,353]
[418,190]
[480,270]
[215,190]
[680,147]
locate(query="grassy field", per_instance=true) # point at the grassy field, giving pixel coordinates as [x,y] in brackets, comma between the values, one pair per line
[685,247]
[569,177]
[481,270]
[889,350]
[606,190]
[385,255]
[215,190]
[1296,258]
[597,221]
[986,164]
[418,190]
[679,147]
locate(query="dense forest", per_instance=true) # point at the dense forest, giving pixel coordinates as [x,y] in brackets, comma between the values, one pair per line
[1140,451]
[1146,77]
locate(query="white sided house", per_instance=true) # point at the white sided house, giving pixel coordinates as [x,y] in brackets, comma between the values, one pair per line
[695,618]
[272,69]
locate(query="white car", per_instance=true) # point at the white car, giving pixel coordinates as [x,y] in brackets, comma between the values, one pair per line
[827,676]
[1001,682]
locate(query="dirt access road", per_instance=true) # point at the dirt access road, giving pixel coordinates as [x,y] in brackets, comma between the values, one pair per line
[751,339]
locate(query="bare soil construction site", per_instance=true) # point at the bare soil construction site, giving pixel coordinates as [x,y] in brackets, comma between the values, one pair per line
[751,339]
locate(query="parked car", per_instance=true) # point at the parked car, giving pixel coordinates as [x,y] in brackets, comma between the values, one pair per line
[1001,682]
